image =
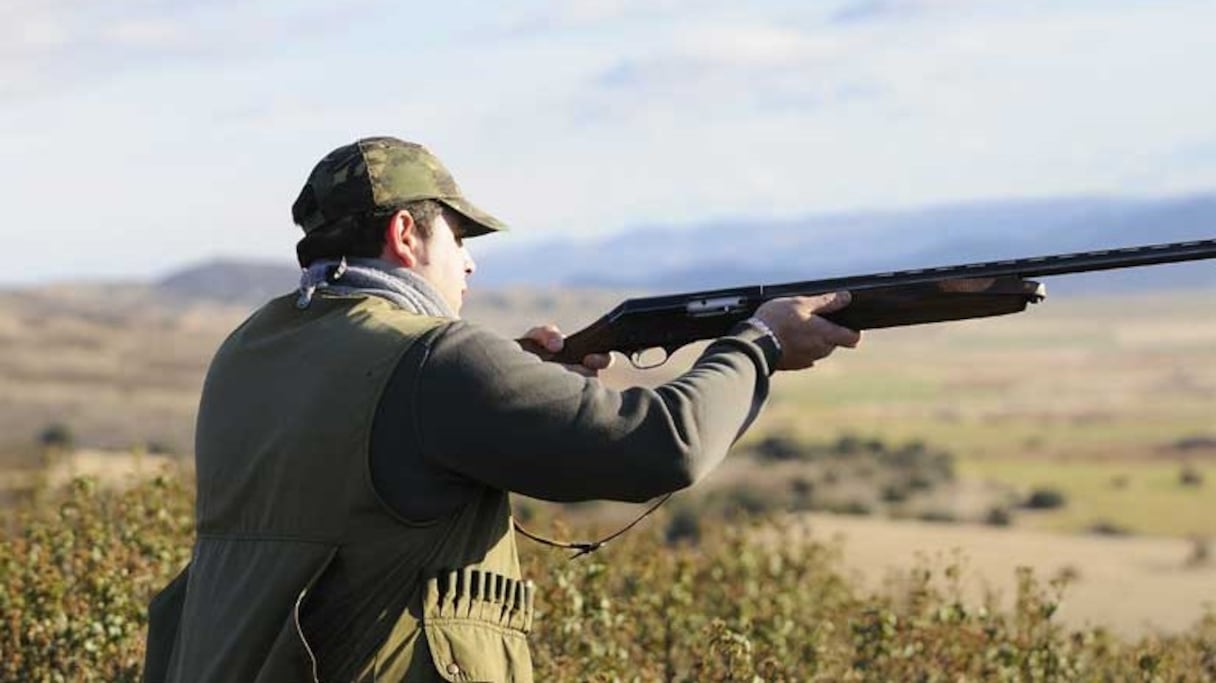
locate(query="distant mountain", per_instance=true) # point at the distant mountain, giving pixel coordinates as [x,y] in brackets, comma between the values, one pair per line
[725,253]
[740,251]
[234,282]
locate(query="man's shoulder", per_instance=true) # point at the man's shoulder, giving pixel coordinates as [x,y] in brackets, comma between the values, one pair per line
[462,337]
[331,320]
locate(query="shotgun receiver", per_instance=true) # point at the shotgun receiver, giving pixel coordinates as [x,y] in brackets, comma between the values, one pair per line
[906,297]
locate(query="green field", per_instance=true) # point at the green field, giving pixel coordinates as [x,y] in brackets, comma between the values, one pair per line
[1072,397]
[1144,497]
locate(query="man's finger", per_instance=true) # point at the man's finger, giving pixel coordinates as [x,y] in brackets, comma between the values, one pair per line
[832,302]
[597,361]
[547,336]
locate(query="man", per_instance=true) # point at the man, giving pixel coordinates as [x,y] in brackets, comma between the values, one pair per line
[356,442]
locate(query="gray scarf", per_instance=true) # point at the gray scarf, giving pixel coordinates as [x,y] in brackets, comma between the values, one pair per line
[401,286]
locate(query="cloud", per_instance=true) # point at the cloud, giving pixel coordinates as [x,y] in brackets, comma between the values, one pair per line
[732,67]
[152,34]
[549,17]
[862,11]
[49,47]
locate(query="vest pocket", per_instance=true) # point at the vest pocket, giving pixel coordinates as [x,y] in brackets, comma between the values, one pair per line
[476,624]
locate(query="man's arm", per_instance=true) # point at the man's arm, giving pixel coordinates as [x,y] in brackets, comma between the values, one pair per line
[466,408]
[499,416]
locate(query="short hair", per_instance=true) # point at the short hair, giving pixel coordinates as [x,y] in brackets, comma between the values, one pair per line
[362,235]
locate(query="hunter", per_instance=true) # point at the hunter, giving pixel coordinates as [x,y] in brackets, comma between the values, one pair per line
[357,441]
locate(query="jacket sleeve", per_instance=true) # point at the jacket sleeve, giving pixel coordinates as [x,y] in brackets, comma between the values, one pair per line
[493,413]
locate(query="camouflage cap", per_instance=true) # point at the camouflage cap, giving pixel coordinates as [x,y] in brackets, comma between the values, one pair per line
[381,173]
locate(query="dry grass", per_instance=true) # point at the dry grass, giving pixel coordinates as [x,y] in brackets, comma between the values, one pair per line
[1133,585]
[118,373]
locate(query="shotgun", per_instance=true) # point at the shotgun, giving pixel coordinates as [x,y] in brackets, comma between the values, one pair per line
[905,297]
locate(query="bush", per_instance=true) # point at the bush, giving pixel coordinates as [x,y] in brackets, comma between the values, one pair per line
[998,516]
[779,448]
[684,526]
[894,493]
[748,501]
[848,444]
[750,602]
[768,604]
[76,580]
[851,507]
[57,435]
[937,516]
[802,490]
[1201,554]
[1045,499]
[524,511]
[1190,476]
[1196,443]
[158,447]
[1104,527]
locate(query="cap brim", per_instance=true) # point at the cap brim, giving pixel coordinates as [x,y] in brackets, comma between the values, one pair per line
[480,222]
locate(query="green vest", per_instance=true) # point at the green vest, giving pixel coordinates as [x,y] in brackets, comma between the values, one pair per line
[300,572]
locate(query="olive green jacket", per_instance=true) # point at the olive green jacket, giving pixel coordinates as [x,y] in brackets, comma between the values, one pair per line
[304,570]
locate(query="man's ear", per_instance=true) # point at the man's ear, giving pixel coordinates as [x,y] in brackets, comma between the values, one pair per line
[401,242]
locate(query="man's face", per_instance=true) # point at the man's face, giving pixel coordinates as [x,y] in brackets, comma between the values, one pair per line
[445,263]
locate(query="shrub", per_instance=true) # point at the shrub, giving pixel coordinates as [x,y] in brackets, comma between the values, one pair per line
[936,515]
[1201,555]
[158,447]
[750,602]
[57,435]
[998,516]
[1045,499]
[803,492]
[779,448]
[523,510]
[848,444]
[894,493]
[1195,443]
[851,507]
[76,579]
[748,501]
[684,526]
[1190,476]
[1104,527]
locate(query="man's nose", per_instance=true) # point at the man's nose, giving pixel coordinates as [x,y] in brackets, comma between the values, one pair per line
[469,264]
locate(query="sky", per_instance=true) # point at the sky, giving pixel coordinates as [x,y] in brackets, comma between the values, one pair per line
[140,136]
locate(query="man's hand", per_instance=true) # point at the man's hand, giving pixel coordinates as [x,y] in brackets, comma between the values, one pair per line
[804,336]
[552,339]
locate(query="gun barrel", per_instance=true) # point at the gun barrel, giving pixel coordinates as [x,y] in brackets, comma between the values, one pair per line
[1037,266]
[1129,257]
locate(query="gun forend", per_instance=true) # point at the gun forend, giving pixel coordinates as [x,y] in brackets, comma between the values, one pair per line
[940,301]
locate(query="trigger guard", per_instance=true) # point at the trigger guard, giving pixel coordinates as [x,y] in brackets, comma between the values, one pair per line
[635,358]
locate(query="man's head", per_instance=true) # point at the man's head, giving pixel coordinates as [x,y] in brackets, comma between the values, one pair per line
[387,198]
